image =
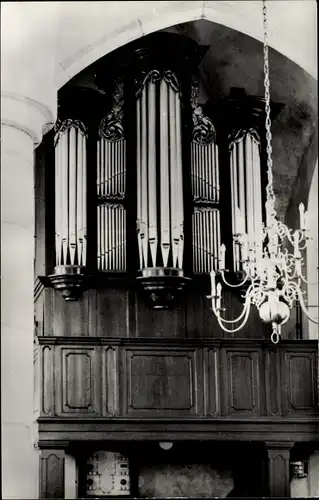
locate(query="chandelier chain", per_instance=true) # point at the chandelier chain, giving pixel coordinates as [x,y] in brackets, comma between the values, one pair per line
[269,188]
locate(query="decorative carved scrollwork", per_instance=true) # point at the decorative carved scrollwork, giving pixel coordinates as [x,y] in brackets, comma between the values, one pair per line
[203,131]
[111,127]
[154,76]
[62,126]
[172,80]
[194,93]
[238,134]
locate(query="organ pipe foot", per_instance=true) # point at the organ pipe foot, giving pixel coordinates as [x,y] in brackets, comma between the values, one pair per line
[70,281]
[161,286]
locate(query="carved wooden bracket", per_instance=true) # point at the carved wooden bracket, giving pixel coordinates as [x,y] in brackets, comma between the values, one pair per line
[162,286]
[71,281]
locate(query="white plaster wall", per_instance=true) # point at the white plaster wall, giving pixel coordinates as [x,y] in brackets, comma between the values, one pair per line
[312,257]
[307,487]
[70,477]
[313,476]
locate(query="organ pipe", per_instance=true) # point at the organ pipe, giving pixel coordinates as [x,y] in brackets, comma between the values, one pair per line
[160,205]
[111,185]
[245,195]
[206,239]
[70,193]
[205,189]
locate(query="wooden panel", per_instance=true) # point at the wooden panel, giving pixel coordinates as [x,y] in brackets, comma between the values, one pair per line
[78,381]
[111,313]
[110,381]
[46,313]
[273,382]
[159,323]
[299,372]
[37,388]
[201,321]
[52,473]
[241,382]
[47,381]
[160,382]
[278,471]
[70,319]
[254,328]
[211,382]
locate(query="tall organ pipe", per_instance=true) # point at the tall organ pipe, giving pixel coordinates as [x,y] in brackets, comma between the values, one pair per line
[70,189]
[152,201]
[111,177]
[164,174]
[205,189]
[246,195]
[159,174]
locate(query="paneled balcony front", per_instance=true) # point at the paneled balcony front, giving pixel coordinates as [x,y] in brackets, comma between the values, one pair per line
[92,388]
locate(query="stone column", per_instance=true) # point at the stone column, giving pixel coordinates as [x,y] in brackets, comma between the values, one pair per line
[22,123]
[279,468]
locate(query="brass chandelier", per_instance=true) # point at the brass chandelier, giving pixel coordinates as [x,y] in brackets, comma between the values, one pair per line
[272,275]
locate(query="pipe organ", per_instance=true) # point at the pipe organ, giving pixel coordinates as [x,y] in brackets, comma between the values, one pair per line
[154,161]
[111,187]
[160,205]
[246,198]
[70,193]
[205,189]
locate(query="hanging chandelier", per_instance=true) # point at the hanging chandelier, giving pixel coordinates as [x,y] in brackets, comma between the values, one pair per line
[272,275]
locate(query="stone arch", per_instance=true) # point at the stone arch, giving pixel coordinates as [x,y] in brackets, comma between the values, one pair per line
[124,27]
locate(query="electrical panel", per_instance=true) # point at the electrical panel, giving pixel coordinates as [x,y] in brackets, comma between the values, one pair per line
[107,474]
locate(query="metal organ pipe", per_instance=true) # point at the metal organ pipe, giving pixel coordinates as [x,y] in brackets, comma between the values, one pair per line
[70,197]
[179,180]
[164,174]
[246,195]
[159,173]
[139,183]
[205,187]
[111,178]
[152,200]
[174,187]
[144,180]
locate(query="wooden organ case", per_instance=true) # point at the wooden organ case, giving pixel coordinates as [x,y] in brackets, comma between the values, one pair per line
[136,188]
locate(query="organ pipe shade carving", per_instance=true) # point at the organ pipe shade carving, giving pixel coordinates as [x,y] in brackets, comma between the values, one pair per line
[160,210]
[70,193]
[245,193]
[111,186]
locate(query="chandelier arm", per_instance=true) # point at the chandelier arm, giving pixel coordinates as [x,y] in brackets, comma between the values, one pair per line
[247,302]
[219,319]
[229,284]
[307,282]
[304,308]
